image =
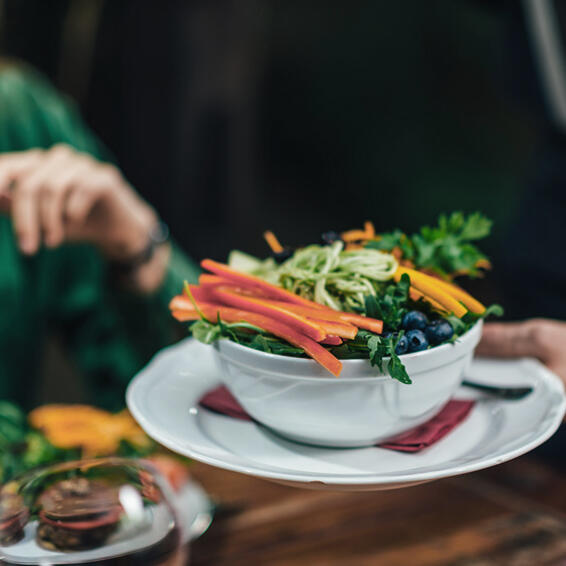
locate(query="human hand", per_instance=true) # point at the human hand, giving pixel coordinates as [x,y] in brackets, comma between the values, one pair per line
[59,195]
[539,338]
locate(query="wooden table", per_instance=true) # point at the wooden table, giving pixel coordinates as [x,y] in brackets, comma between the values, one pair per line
[514,514]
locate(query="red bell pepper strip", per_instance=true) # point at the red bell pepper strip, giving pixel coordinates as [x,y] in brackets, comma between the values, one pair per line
[209,279]
[251,304]
[245,280]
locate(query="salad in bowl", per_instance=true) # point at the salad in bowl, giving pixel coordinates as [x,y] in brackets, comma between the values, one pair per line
[380,312]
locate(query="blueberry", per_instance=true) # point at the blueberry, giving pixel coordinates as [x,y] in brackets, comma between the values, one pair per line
[402,346]
[386,334]
[414,320]
[439,331]
[330,237]
[417,340]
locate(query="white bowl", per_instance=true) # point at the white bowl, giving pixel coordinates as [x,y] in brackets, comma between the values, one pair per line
[298,398]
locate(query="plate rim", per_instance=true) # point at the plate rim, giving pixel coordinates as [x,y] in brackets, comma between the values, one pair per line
[549,425]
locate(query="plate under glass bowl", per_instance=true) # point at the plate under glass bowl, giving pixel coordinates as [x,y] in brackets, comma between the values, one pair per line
[107,511]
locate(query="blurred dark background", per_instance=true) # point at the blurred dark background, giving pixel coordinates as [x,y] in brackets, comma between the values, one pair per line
[233,116]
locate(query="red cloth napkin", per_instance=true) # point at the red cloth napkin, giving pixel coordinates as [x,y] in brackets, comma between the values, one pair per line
[454,412]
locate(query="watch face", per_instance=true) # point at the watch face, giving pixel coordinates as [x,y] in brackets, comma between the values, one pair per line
[89,511]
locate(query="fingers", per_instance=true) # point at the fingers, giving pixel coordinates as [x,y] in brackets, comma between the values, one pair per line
[62,194]
[80,203]
[25,219]
[12,165]
[510,340]
[57,192]
[37,201]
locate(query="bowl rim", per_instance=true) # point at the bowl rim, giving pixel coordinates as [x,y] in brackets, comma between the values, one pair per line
[350,364]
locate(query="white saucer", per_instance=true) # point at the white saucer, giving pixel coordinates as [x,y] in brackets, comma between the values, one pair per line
[164,397]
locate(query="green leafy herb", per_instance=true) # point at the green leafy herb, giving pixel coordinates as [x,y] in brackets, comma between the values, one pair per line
[205,331]
[377,349]
[462,325]
[391,304]
[245,334]
[445,248]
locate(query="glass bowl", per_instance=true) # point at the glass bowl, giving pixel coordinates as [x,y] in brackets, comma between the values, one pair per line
[105,511]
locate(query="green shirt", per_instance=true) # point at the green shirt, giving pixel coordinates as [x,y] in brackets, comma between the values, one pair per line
[110,333]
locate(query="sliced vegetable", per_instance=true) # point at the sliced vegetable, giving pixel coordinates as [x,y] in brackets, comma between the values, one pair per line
[247,280]
[365,322]
[185,315]
[330,321]
[353,235]
[353,319]
[272,242]
[180,302]
[459,294]
[277,328]
[297,321]
[416,295]
[428,286]
[338,328]
[209,279]
[332,340]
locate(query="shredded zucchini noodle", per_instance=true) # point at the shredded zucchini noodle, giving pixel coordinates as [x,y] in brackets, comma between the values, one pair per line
[334,277]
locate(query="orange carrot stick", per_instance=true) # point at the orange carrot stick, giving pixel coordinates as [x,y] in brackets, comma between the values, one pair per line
[365,322]
[185,315]
[277,328]
[245,280]
[272,242]
[209,279]
[211,312]
[329,320]
[326,313]
[332,340]
[297,321]
[181,302]
[354,235]
[337,328]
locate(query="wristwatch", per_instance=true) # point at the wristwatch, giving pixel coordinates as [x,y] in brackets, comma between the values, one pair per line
[125,268]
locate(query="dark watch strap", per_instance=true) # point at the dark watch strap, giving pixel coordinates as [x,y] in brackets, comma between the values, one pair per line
[126,267]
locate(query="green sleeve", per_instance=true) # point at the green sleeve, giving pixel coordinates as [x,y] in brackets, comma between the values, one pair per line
[111,333]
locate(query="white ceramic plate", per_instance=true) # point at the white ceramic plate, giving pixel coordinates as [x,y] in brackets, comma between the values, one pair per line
[164,397]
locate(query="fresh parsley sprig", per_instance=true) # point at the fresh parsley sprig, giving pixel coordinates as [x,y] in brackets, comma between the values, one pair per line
[446,248]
